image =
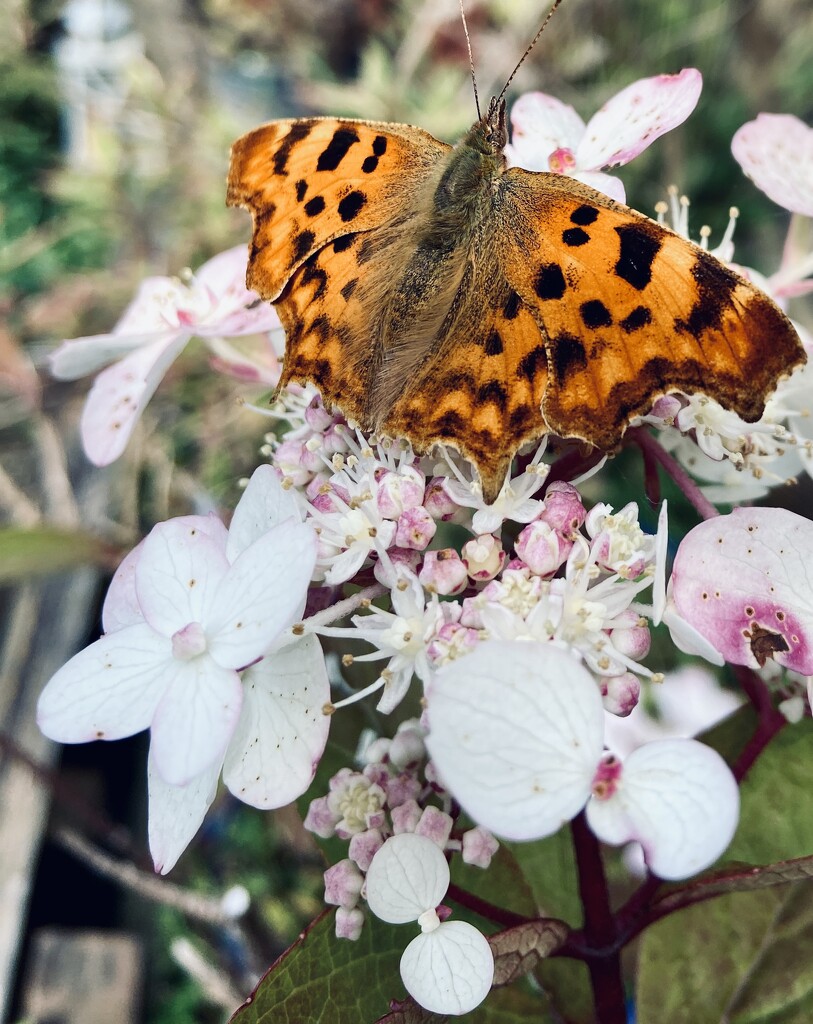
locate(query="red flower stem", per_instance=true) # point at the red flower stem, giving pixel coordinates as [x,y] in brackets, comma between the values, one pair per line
[602,957]
[650,448]
[499,915]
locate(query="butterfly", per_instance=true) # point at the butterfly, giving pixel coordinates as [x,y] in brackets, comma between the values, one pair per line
[433,293]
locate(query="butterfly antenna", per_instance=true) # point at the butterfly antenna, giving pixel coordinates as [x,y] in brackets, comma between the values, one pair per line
[471,61]
[531,45]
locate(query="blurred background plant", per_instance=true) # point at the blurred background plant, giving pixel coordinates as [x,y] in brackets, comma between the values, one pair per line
[115,123]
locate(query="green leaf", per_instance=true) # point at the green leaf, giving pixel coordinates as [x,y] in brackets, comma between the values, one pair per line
[702,962]
[38,552]
[503,882]
[356,980]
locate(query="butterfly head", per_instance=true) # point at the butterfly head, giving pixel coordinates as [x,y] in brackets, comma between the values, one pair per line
[494,124]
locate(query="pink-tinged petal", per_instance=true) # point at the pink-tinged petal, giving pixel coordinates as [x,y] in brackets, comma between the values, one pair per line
[235,310]
[678,799]
[408,875]
[109,690]
[606,183]
[745,582]
[263,592]
[448,970]
[195,719]
[180,572]
[636,116]
[515,732]
[281,734]
[265,503]
[79,356]
[120,394]
[153,308]
[541,125]
[121,607]
[176,813]
[776,152]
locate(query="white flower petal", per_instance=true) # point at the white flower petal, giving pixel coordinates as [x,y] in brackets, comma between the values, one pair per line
[79,356]
[265,503]
[679,799]
[180,573]
[636,116]
[109,690]
[516,733]
[606,183]
[195,719]
[120,394]
[541,124]
[281,733]
[176,813]
[263,592]
[776,152]
[121,607]
[407,876]
[448,970]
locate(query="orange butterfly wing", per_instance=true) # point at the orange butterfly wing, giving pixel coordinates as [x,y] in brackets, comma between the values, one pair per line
[631,311]
[311,180]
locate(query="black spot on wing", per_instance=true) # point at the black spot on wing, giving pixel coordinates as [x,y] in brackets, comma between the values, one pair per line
[634,321]
[640,245]
[494,392]
[351,205]
[380,145]
[568,356]
[575,237]
[298,131]
[584,215]
[321,372]
[532,362]
[550,282]
[301,189]
[369,164]
[450,424]
[715,286]
[343,243]
[303,243]
[349,288]
[493,345]
[314,206]
[337,149]
[595,314]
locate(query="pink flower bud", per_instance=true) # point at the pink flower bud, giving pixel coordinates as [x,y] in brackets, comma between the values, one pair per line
[563,510]
[632,641]
[320,819]
[483,557]
[364,846]
[317,417]
[437,501]
[479,846]
[443,572]
[435,825]
[349,923]
[666,408]
[343,884]
[620,693]
[539,547]
[452,640]
[400,491]
[296,463]
[415,529]
[402,788]
[406,817]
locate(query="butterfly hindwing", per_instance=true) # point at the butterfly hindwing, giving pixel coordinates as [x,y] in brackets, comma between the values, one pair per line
[310,180]
[631,310]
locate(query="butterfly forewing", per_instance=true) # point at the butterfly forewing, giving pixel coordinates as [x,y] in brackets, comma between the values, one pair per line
[311,180]
[630,311]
